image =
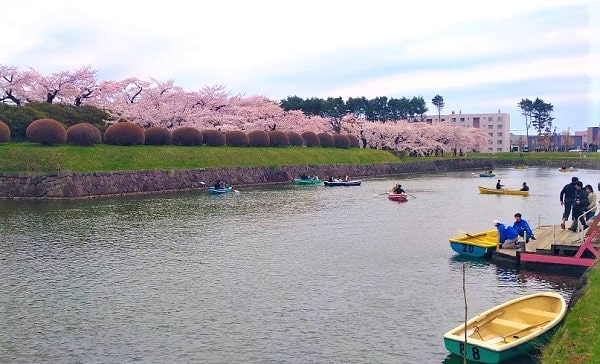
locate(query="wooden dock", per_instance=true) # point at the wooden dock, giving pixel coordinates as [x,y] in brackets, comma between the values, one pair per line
[553,244]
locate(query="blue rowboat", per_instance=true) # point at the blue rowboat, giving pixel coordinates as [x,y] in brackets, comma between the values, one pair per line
[219,191]
[475,245]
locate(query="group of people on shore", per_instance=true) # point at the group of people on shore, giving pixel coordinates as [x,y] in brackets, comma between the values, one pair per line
[579,202]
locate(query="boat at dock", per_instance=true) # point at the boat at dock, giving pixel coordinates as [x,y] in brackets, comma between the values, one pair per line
[475,245]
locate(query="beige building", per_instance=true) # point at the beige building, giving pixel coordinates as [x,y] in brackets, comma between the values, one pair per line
[497,126]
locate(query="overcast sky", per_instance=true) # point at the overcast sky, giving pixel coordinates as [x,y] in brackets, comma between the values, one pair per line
[480,56]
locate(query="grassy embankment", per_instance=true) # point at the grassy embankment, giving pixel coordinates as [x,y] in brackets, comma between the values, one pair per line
[34,158]
[578,341]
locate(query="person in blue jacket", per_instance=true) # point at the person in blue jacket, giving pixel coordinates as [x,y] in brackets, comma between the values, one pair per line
[508,235]
[523,228]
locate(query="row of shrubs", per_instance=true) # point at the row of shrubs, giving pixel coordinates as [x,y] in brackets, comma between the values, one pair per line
[49,132]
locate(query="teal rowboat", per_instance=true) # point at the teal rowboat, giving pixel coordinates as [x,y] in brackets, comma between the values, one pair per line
[307,182]
[508,330]
[219,191]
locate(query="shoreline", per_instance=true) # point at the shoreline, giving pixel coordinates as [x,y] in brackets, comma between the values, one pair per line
[83,185]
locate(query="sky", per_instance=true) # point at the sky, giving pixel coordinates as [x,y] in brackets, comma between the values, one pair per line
[480,56]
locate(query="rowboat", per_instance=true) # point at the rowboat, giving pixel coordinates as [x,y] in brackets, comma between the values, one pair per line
[475,245]
[570,169]
[486,175]
[521,167]
[504,191]
[308,181]
[400,197]
[219,191]
[508,330]
[343,183]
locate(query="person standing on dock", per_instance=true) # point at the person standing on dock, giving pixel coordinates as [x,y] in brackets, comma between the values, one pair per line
[567,197]
[579,206]
[523,228]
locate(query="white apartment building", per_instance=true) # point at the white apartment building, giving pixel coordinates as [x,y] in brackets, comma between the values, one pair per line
[497,126]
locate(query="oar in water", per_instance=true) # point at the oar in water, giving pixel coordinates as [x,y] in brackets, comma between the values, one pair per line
[380,194]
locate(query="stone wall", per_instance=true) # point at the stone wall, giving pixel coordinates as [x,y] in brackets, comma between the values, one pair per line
[62,185]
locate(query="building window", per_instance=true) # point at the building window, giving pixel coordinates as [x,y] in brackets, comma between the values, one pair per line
[499,118]
[453,120]
[462,119]
[499,134]
[490,127]
[499,141]
[499,149]
[490,118]
[499,126]
[491,134]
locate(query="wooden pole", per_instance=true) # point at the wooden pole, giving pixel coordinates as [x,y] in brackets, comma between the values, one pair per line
[466,315]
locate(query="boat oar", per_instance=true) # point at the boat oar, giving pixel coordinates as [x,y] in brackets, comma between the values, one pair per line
[484,321]
[504,337]
[467,234]
[380,194]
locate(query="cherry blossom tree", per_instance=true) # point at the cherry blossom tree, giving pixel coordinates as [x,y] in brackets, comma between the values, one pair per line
[14,84]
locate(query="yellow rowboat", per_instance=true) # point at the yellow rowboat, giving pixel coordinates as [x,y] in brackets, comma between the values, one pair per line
[495,191]
[476,244]
[521,167]
[508,330]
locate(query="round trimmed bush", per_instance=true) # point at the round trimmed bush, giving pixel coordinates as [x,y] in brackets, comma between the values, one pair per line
[157,136]
[354,142]
[326,139]
[236,138]
[84,134]
[311,139]
[259,138]
[46,132]
[278,138]
[341,141]
[213,138]
[295,139]
[188,136]
[4,132]
[124,133]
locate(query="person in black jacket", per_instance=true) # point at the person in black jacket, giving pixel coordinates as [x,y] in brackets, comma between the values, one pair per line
[579,205]
[567,197]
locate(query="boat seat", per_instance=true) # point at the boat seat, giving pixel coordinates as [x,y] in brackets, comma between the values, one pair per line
[535,315]
[501,324]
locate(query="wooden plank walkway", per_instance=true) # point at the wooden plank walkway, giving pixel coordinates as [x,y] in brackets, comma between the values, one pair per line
[550,239]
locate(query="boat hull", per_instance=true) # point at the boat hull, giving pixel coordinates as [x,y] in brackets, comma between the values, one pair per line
[342,183]
[219,191]
[487,175]
[400,197]
[495,191]
[475,245]
[508,330]
[471,250]
[306,182]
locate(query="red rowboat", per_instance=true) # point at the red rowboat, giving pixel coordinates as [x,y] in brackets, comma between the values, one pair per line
[400,197]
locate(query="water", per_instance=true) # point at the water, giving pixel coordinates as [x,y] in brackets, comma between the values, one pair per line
[268,275]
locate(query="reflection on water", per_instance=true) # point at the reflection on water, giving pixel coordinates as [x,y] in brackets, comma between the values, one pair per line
[269,274]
